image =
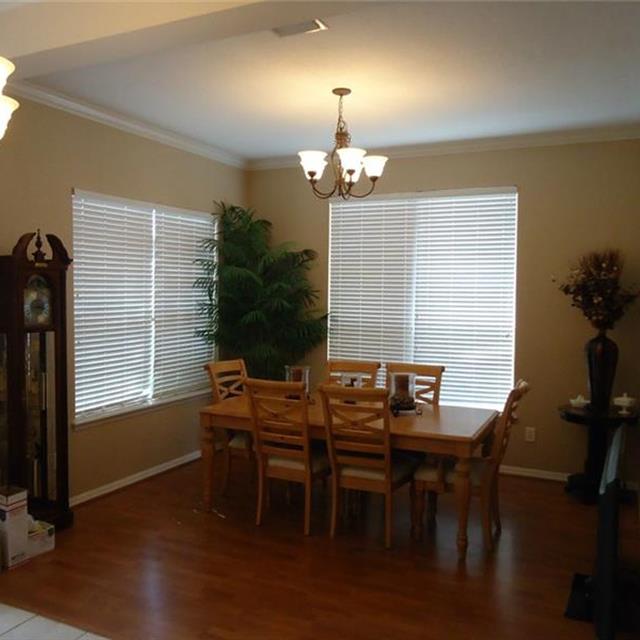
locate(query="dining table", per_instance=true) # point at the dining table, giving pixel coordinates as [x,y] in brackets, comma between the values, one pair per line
[455,431]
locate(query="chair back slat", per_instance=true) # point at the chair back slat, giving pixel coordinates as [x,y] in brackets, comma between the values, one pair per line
[227,377]
[366,371]
[280,415]
[357,424]
[428,379]
[506,421]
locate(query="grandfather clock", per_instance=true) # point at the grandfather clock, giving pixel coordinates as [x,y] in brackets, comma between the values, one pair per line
[33,376]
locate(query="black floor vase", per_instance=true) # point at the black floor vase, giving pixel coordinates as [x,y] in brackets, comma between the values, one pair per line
[602,359]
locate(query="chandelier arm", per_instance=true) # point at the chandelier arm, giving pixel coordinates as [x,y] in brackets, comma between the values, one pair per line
[350,194]
[320,194]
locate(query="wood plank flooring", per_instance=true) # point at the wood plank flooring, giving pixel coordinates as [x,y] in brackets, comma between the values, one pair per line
[147,563]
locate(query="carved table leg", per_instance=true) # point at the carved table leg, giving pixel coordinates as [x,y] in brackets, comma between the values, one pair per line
[463,496]
[207,445]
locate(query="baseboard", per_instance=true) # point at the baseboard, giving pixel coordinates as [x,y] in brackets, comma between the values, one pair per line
[527,472]
[557,476]
[524,472]
[136,477]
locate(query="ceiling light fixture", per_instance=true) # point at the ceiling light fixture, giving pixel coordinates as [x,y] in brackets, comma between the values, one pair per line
[347,162]
[7,105]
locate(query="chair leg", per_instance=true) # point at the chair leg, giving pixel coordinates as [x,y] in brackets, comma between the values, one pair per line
[388,517]
[495,504]
[486,500]
[288,494]
[307,507]
[335,505]
[432,509]
[262,487]
[417,510]
[226,469]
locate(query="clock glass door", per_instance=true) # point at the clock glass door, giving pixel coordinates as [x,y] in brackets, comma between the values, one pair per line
[4,416]
[41,410]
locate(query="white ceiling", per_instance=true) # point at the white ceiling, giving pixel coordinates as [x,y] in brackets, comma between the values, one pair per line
[420,73]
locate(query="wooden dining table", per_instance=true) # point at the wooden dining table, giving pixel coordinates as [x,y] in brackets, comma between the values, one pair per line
[446,430]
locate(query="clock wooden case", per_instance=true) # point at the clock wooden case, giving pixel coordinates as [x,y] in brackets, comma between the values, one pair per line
[33,376]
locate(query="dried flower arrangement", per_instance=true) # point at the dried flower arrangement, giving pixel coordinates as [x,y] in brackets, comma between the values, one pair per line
[594,287]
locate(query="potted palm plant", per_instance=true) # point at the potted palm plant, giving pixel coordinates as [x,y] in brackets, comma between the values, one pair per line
[594,287]
[259,305]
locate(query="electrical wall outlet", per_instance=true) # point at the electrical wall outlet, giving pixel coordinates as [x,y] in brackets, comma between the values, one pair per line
[530,434]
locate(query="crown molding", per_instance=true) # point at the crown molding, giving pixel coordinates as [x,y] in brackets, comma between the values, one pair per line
[556,138]
[57,100]
[51,98]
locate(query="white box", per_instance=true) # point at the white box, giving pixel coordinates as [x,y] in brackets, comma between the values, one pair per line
[42,539]
[13,526]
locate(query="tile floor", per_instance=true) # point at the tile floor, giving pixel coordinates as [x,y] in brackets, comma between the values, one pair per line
[17,624]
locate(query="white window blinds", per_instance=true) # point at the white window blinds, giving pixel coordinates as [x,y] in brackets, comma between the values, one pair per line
[179,355]
[429,279]
[135,308]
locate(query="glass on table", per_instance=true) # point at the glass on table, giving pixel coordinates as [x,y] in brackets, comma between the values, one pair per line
[298,373]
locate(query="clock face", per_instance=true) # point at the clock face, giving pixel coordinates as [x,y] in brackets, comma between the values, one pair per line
[37,302]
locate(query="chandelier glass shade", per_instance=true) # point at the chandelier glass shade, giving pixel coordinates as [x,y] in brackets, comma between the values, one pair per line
[7,105]
[347,163]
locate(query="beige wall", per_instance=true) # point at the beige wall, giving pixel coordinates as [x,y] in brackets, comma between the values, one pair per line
[572,199]
[46,153]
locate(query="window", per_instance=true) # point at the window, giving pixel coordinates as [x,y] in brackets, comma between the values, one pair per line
[135,308]
[428,279]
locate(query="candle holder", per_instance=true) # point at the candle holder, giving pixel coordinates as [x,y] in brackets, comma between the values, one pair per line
[402,393]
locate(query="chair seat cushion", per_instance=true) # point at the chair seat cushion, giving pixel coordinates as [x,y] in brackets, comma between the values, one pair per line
[428,472]
[402,467]
[319,462]
[240,440]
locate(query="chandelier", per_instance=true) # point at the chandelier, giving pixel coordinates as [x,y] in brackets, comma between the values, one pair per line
[7,105]
[346,162]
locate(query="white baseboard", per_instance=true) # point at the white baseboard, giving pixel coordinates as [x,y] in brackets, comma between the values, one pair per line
[527,472]
[524,472]
[557,476]
[136,477]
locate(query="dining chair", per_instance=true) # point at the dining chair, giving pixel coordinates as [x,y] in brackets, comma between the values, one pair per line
[280,415]
[357,424]
[366,371]
[428,379]
[227,377]
[434,479]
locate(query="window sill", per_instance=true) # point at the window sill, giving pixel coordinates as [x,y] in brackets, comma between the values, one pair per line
[88,422]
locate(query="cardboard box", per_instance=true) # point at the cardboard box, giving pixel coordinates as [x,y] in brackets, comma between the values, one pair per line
[13,526]
[12,495]
[41,539]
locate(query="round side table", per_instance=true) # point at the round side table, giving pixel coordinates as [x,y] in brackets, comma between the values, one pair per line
[584,486]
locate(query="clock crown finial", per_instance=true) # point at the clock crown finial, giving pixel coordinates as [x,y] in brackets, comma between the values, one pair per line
[38,254]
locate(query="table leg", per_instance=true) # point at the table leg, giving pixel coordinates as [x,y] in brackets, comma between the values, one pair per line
[207,446]
[463,496]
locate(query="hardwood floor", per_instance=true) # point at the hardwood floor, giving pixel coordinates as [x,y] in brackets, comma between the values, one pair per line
[146,563]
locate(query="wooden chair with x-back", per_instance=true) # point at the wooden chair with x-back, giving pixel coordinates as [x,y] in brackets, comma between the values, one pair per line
[280,415]
[428,379]
[352,373]
[357,424]
[227,381]
[432,478]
